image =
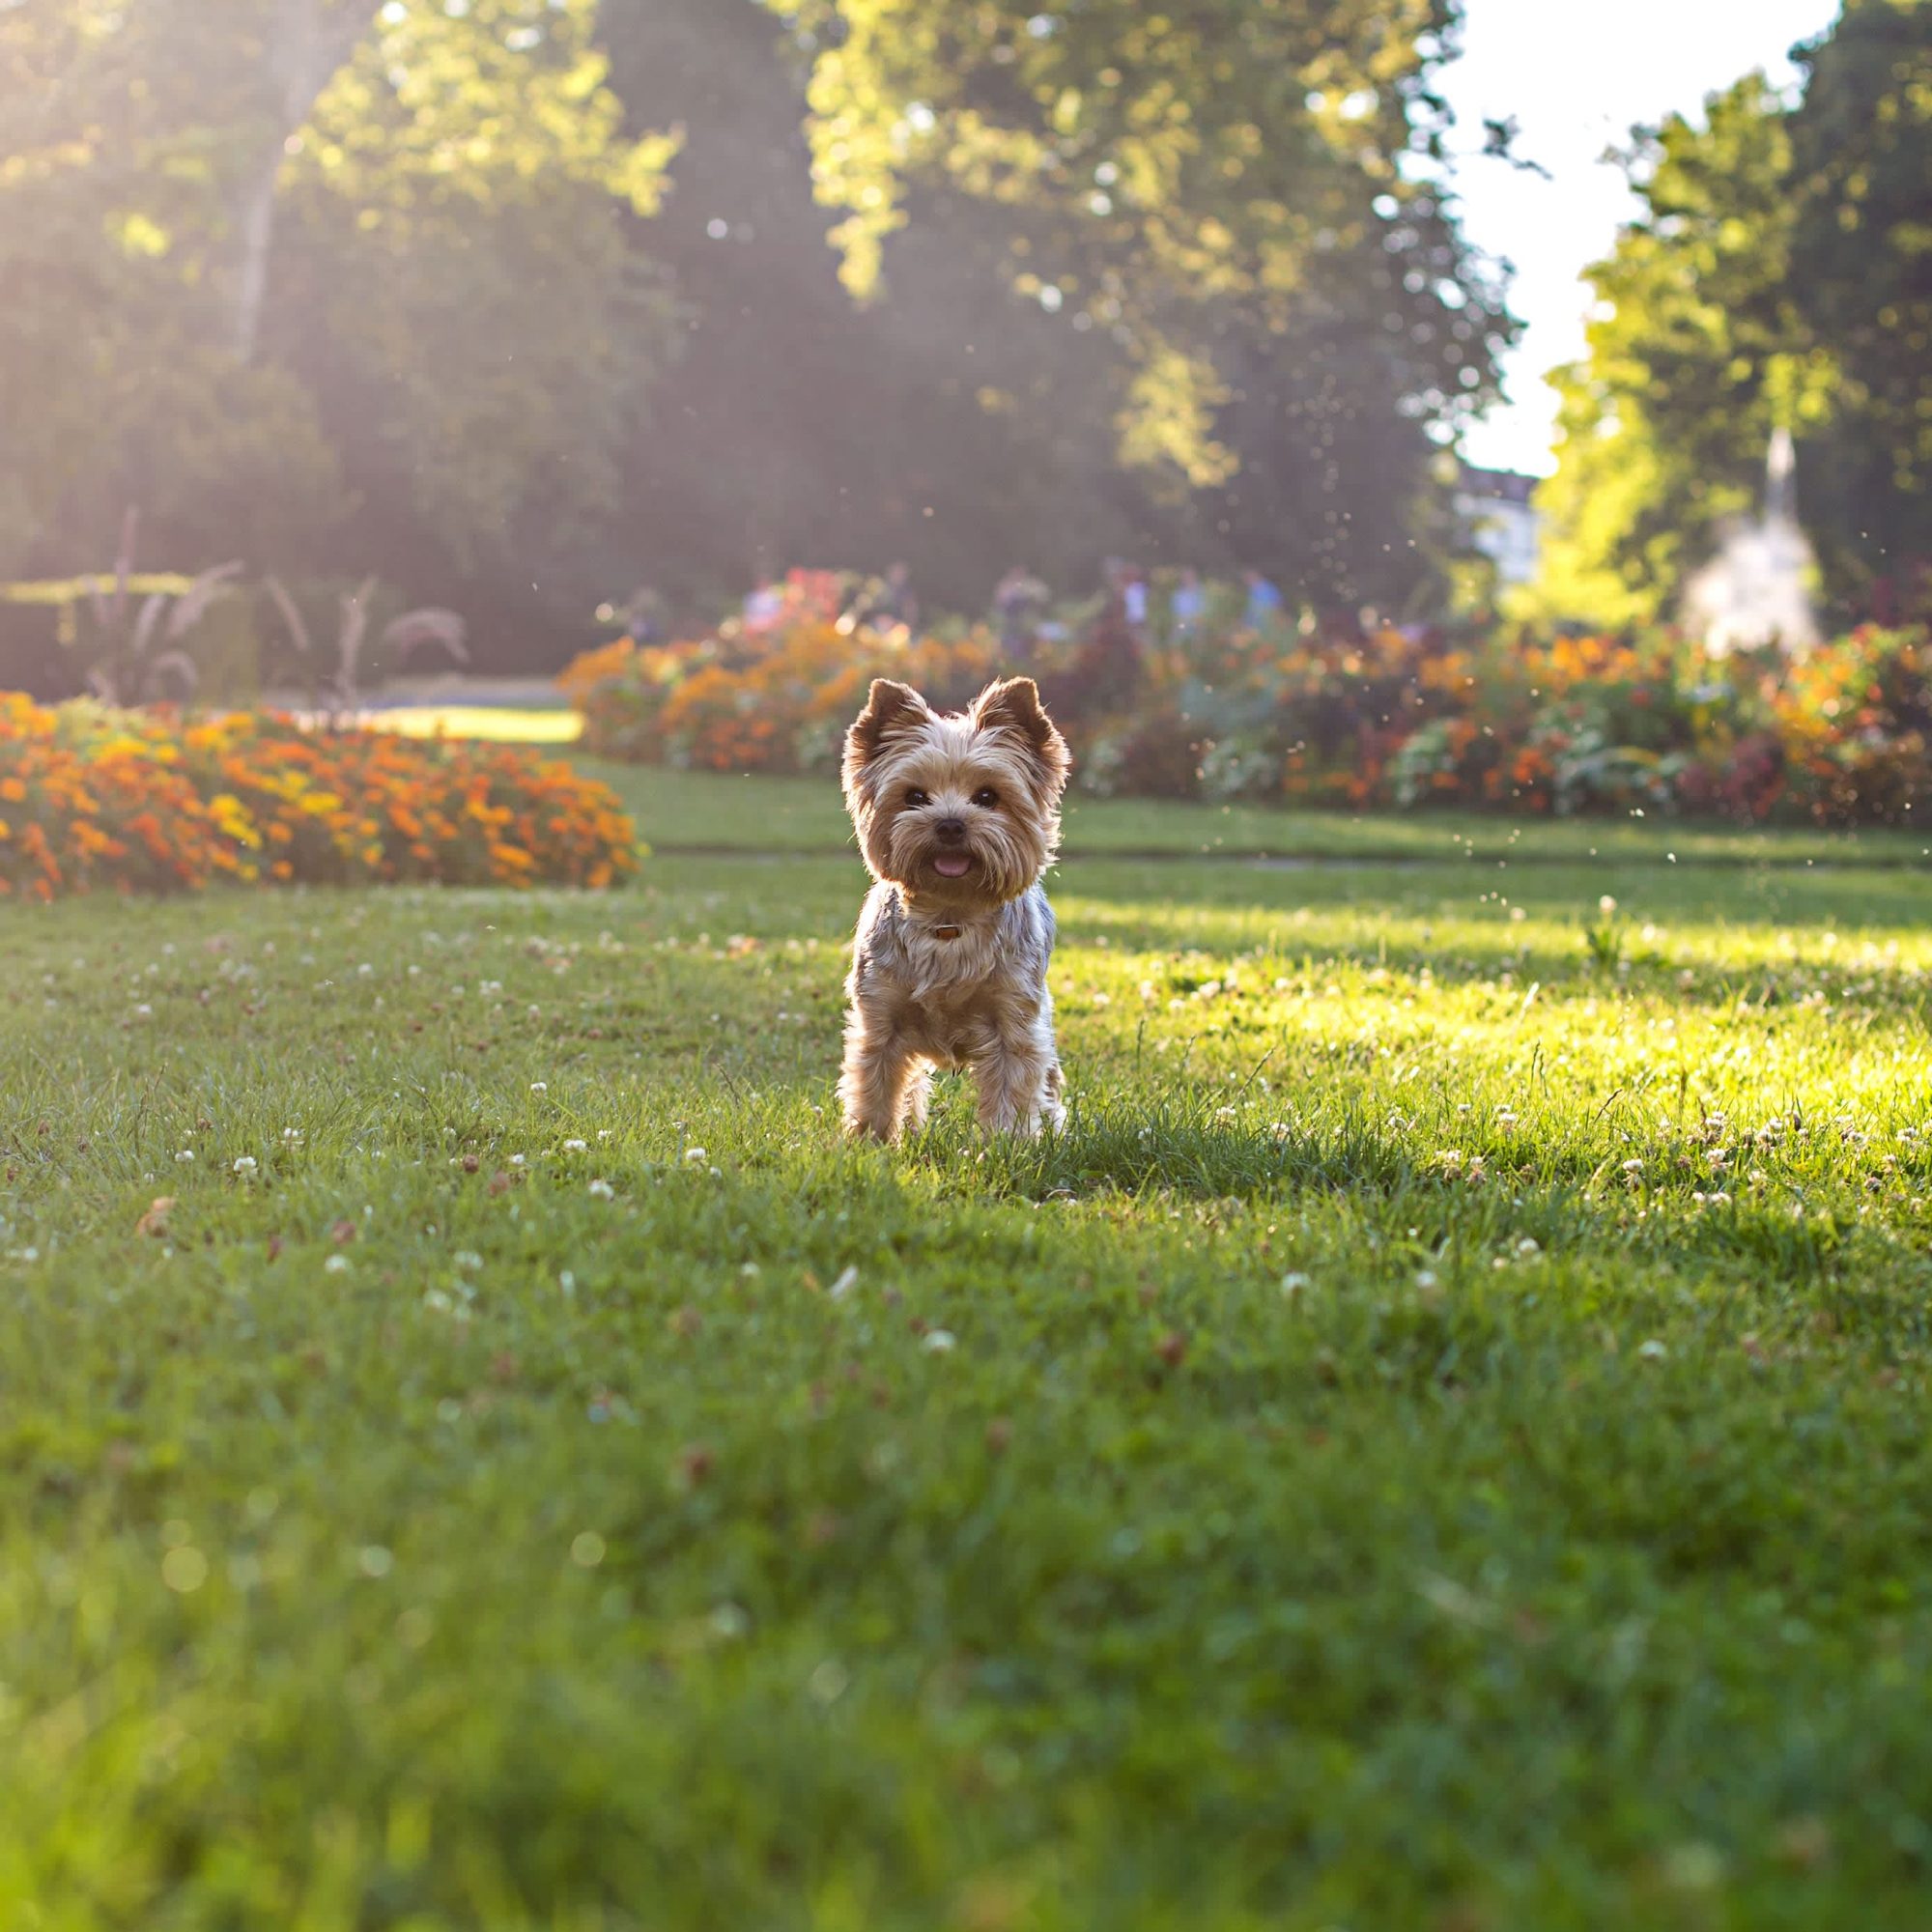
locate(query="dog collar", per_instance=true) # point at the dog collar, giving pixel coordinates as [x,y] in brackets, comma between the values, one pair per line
[945,931]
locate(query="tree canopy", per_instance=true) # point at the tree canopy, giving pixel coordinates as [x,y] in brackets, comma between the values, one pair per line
[1238,202]
[1779,275]
[1862,260]
[518,302]
[284,263]
[524,300]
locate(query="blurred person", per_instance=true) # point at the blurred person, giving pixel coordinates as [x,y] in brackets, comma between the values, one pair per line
[764,605]
[1188,603]
[645,617]
[887,601]
[1265,603]
[1108,667]
[1134,598]
[1018,601]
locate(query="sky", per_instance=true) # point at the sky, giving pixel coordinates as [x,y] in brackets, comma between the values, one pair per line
[1577,77]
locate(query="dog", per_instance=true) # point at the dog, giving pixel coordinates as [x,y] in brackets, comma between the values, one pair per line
[958,816]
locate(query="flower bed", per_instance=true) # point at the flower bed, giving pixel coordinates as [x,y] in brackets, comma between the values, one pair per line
[92,799]
[1397,718]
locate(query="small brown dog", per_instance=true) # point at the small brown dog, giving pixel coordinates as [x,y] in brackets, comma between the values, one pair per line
[957,815]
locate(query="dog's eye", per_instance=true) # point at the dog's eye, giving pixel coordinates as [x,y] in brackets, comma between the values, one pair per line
[986,797]
[915,797]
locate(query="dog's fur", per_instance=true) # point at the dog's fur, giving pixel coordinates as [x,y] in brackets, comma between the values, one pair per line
[948,968]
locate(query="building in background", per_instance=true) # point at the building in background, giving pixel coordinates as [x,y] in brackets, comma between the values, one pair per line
[1498,509]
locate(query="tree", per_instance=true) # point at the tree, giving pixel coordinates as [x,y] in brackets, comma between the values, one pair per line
[306,252]
[463,292]
[1778,275]
[107,191]
[1216,193]
[295,49]
[948,421]
[1696,350]
[1862,266]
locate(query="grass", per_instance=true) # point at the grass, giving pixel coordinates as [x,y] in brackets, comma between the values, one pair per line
[506,724]
[1439,1442]
[711,812]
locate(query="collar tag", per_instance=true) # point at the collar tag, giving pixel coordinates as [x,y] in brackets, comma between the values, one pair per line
[945,933]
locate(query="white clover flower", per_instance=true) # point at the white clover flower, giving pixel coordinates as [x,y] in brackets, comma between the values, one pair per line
[1652,1350]
[1607,906]
[539,1085]
[186,1153]
[695,1154]
[940,1342]
[602,1190]
[576,1147]
[337,1264]
[244,1163]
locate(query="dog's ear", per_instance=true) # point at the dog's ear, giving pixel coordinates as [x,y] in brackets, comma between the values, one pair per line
[890,708]
[1012,705]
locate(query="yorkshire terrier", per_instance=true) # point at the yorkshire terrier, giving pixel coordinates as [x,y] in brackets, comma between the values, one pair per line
[958,816]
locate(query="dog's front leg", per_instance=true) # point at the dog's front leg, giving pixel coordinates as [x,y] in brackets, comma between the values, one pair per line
[879,1070]
[1019,1074]
[917,1098]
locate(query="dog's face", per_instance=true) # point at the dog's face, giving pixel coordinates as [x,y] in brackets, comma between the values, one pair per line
[958,806]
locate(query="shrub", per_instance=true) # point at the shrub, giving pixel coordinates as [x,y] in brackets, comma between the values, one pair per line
[1565,725]
[740,703]
[92,799]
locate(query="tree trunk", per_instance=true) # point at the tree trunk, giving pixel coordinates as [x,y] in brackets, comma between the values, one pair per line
[307,43]
[256,232]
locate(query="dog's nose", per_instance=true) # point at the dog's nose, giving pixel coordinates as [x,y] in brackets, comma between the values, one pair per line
[950,830]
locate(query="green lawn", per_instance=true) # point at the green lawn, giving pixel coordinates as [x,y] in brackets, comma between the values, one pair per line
[501,724]
[556,1485]
[708,812]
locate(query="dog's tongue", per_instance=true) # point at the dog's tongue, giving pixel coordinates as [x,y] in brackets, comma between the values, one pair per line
[952,864]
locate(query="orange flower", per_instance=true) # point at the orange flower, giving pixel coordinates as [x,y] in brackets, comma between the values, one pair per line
[139,802]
